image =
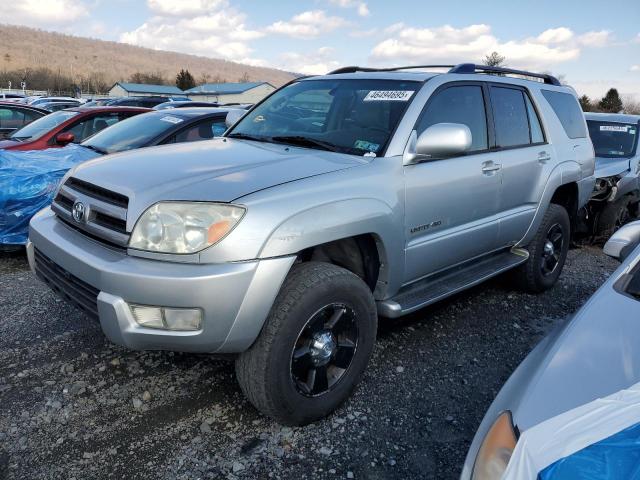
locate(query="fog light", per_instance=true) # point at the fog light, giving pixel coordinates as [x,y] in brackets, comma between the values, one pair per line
[150,317]
[166,318]
[183,318]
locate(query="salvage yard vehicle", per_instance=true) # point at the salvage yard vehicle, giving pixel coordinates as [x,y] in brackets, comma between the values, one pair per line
[333,200]
[55,106]
[183,104]
[616,196]
[572,407]
[28,180]
[15,115]
[67,126]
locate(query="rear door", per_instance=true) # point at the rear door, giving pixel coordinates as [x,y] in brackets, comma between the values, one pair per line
[451,204]
[520,146]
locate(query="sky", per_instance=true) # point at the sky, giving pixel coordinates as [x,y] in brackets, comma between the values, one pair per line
[594,45]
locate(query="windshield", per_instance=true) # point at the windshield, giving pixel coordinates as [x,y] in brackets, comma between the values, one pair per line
[36,129]
[613,140]
[348,116]
[134,132]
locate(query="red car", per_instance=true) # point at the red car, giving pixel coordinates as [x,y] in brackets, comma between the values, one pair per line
[66,126]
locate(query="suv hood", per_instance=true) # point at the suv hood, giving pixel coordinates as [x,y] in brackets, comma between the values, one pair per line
[219,170]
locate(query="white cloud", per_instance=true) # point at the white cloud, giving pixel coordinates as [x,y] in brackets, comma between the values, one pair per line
[207,27]
[186,8]
[472,43]
[361,7]
[555,35]
[309,24]
[635,68]
[44,13]
[595,39]
[312,63]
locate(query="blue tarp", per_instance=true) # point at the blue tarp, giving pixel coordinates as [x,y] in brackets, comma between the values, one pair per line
[614,458]
[28,180]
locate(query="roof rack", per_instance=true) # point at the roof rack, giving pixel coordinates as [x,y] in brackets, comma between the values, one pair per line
[473,68]
[463,68]
[354,69]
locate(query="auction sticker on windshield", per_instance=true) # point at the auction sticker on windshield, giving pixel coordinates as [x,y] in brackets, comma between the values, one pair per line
[613,128]
[388,96]
[171,119]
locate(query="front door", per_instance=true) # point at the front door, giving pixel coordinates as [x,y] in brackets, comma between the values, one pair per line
[452,204]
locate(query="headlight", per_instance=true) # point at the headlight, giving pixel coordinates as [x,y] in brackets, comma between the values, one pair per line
[496,449]
[183,227]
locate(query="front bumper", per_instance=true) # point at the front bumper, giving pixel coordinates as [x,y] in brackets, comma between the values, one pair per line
[585,189]
[235,297]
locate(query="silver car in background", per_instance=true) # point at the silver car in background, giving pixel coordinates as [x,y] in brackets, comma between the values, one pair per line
[579,386]
[616,195]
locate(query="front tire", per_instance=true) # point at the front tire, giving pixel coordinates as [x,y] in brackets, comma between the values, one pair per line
[314,346]
[547,252]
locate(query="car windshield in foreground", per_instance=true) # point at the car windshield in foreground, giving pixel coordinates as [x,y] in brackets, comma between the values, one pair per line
[134,132]
[613,140]
[38,128]
[348,116]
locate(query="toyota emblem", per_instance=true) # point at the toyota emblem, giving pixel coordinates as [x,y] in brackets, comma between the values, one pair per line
[78,211]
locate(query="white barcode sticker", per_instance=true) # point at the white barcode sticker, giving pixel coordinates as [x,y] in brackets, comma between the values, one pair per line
[171,119]
[388,96]
[613,128]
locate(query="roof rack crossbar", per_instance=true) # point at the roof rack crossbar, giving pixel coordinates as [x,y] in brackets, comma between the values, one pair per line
[354,69]
[473,68]
[462,68]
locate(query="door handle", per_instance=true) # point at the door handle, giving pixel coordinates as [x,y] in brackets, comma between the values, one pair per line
[544,157]
[489,168]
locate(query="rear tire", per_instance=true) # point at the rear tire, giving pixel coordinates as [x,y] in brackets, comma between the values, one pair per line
[323,320]
[547,252]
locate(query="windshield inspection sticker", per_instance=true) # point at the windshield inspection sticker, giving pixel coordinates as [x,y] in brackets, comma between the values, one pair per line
[171,119]
[364,145]
[613,128]
[388,96]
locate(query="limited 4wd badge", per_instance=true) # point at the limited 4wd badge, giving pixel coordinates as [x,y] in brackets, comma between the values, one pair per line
[388,96]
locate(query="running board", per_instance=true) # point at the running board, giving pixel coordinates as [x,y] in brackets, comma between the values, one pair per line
[432,289]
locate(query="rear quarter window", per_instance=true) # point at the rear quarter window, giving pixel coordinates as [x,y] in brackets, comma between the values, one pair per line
[568,111]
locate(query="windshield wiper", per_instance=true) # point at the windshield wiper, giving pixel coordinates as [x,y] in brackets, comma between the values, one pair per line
[246,136]
[95,149]
[19,139]
[301,141]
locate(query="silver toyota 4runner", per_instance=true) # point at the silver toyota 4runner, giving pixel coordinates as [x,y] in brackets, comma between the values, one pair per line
[336,199]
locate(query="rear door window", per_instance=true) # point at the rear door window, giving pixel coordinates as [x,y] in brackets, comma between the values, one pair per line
[568,112]
[458,104]
[510,117]
[87,127]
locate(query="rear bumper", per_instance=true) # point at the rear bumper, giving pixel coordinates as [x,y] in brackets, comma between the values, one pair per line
[235,297]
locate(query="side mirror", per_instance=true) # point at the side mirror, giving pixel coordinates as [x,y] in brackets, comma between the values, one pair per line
[65,138]
[623,241]
[439,141]
[233,116]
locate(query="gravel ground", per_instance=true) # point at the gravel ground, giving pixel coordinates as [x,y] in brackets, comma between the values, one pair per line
[72,405]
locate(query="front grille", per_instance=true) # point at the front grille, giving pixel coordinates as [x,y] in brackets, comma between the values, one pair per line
[104,214]
[110,222]
[77,292]
[100,193]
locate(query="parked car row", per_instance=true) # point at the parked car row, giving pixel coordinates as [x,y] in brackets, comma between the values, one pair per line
[30,173]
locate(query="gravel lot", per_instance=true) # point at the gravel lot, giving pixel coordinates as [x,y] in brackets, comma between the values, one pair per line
[72,405]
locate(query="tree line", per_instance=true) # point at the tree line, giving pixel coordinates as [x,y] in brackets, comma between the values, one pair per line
[61,83]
